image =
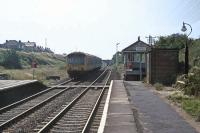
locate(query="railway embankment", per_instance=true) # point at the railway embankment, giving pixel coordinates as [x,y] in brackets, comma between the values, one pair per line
[48,67]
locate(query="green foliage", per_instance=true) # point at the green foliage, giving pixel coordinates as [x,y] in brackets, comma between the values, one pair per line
[176,41]
[178,97]
[120,58]
[193,82]
[26,58]
[194,54]
[11,60]
[190,104]
[158,86]
[62,66]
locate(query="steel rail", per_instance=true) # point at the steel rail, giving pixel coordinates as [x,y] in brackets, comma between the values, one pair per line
[12,120]
[30,97]
[64,82]
[62,112]
[86,127]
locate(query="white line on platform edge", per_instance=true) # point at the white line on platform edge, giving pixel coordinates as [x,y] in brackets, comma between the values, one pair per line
[105,111]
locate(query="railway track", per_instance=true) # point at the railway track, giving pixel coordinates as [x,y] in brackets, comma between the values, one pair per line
[95,121]
[33,113]
[31,97]
[77,116]
[14,111]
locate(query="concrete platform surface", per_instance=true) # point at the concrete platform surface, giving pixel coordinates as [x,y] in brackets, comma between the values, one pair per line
[156,115]
[6,84]
[119,116]
[14,90]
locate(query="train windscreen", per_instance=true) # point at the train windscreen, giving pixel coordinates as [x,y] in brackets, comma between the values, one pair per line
[76,59]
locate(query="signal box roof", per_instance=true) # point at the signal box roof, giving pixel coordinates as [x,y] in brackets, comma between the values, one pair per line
[139,46]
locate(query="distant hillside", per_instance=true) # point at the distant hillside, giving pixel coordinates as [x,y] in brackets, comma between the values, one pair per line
[41,58]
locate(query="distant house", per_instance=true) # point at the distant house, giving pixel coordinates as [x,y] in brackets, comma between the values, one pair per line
[13,44]
[1,46]
[30,46]
[25,46]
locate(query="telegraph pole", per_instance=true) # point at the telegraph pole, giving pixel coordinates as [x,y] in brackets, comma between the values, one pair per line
[150,39]
[116,55]
[45,42]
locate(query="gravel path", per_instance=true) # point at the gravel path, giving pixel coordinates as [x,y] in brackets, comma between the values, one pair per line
[156,115]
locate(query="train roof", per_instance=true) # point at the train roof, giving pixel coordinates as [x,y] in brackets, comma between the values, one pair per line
[81,53]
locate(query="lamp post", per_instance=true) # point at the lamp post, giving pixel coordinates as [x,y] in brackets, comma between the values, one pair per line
[184,29]
[116,55]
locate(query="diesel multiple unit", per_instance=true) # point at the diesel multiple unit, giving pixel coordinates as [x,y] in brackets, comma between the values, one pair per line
[79,63]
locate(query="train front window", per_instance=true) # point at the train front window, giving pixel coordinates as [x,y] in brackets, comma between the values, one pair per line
[76,60]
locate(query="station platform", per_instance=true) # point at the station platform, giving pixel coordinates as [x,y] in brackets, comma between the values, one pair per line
[15,90]
[154,113]
[133,107]
[8,84]
[117,116]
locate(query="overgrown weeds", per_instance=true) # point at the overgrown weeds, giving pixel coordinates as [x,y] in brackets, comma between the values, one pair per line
[191,82]
[158,86]
[190,104]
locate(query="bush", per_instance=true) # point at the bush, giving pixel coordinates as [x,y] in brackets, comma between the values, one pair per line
[158,86]
[193,82]
[11,60]
[178,97]
[190,104]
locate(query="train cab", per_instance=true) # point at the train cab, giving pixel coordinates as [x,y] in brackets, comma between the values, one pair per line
[79,63]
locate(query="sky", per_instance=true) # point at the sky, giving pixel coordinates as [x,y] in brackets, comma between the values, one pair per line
[94,26]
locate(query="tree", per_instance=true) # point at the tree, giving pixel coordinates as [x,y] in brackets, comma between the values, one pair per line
[11,60]
[176,41]
[119,59]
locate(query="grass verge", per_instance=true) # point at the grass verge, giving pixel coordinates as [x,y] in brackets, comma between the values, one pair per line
[190,104]
[40,73]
